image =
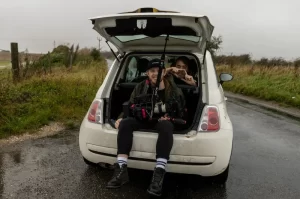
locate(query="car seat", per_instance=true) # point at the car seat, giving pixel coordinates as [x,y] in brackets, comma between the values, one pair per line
[141,67]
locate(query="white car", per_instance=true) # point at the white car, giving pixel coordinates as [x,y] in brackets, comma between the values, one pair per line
[202,148]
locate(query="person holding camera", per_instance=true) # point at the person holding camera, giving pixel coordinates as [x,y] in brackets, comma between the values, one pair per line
[181,72]
[169,104]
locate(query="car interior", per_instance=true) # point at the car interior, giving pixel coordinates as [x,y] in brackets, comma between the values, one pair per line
[133,71]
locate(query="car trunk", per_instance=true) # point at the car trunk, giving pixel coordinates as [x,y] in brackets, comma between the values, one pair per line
[130,32]
[148,30]
[121,96]
[122,90]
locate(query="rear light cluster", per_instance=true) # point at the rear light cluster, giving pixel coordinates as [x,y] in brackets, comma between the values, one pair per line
[210,120]
[95,114]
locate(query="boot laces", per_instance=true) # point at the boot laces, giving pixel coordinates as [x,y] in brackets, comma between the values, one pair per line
[118,172]
[157,176]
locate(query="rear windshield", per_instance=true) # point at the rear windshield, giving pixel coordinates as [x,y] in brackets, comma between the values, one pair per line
[135,66]
[127,38]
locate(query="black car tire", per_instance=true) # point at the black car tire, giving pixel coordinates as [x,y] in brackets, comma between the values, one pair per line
[89,163]
[220,179]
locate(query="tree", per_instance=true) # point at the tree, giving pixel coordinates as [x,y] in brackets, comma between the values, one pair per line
[95,54]
[70,56]
[63,49]
[214,44]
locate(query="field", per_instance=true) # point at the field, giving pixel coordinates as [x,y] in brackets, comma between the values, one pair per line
[61,95]
[5,58]
[65,95]
[5,63]
[280,84]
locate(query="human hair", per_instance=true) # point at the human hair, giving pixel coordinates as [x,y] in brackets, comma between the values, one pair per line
[184,59]
[168,86]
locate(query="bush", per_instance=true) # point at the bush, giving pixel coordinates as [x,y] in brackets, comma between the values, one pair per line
[95,54]
[273,62]
[61,49]
[62,55]
[233,59]
[245,59]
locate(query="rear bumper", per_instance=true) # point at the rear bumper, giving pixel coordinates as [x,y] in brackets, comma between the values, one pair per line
[205,154]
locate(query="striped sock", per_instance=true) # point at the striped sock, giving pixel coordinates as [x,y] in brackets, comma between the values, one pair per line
[161,163]
[122,160]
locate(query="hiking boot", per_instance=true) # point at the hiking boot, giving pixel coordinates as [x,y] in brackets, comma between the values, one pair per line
[155,187]
[119,178]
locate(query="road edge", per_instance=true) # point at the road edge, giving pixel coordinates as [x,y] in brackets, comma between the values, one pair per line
[272,106]
[51,129]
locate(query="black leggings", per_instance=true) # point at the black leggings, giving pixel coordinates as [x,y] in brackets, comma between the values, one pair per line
[165,136]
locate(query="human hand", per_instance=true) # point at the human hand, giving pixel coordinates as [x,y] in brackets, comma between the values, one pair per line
[165,117]
[189,80]
[189,77]
[171,70]
[117,123]
[174,69]
[181,73]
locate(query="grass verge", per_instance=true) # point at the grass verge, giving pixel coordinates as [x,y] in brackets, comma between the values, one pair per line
[279,84]
[62,96]
[65,96]
[5,63]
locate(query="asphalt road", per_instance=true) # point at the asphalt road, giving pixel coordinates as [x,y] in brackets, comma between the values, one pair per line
[265,164]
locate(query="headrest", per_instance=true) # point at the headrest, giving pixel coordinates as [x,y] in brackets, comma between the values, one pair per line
[142,65]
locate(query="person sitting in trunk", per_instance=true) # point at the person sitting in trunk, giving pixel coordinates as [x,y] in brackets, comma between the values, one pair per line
[181,72]
[168,93]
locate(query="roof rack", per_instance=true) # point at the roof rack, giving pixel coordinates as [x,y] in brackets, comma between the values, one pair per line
[145,10]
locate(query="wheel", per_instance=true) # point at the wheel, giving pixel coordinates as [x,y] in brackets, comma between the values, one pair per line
[98,166]
[89,163]
[221,178]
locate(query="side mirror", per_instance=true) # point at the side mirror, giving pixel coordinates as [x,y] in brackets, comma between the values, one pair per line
[225,77]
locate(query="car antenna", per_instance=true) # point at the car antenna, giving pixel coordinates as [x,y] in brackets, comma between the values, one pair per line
[112,51]
[162,63]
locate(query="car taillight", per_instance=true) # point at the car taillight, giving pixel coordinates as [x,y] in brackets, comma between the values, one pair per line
[95,112]
[210,120]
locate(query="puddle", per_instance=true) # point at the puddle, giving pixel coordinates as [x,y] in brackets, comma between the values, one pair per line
[16,156]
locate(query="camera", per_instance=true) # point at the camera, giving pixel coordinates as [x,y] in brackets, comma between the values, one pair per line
[140,109]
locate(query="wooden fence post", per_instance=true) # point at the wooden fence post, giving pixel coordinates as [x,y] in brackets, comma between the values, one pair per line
[15,61]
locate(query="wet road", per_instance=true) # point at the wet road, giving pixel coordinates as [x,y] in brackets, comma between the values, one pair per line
[265,164]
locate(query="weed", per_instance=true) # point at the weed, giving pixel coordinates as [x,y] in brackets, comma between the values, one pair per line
[59,96]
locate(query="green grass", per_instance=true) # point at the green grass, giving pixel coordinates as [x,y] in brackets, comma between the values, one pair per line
[62,96]
[5,63]
[279,84]
[65,96]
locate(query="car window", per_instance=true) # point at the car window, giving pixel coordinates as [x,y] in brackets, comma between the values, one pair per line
[137,64]
[127,38]
[136,68]
[131,70]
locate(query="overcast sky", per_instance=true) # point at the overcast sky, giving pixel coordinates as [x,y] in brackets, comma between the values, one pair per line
[269,28]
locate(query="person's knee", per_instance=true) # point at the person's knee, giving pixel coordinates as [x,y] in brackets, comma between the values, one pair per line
[126,123]
[165,126]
